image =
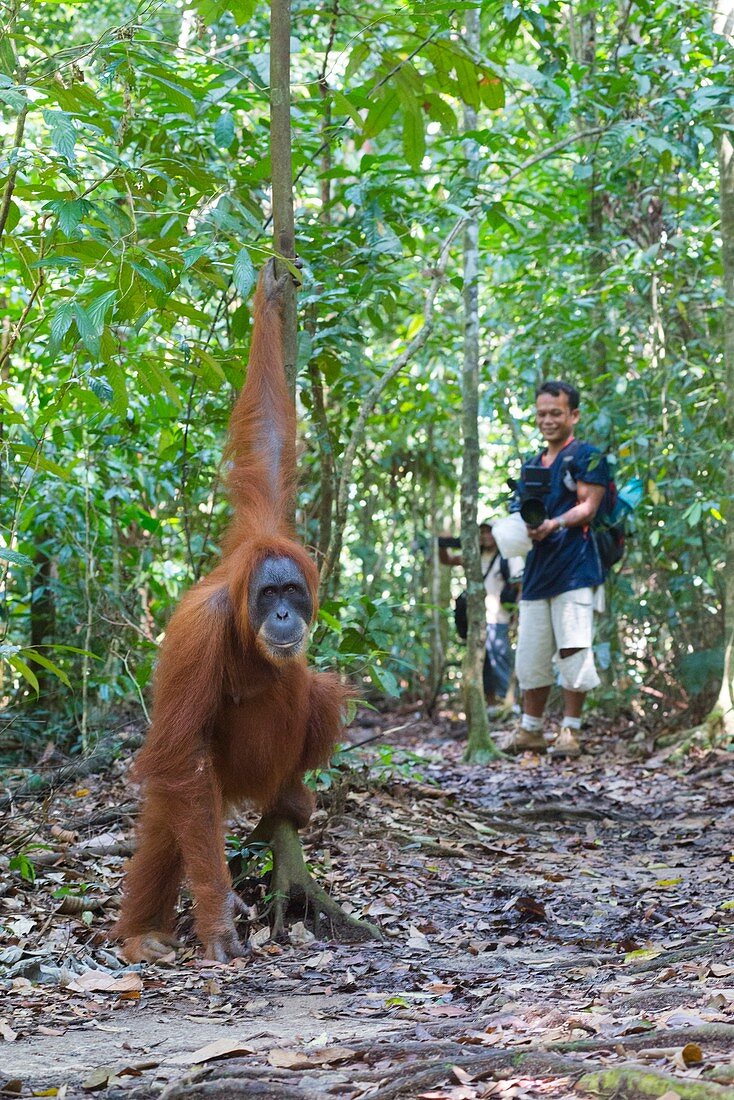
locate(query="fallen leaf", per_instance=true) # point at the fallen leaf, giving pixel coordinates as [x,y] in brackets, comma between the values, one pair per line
[300,935]
[331,1055]
[101,1078]
[98,982]
[689,1055]
[289,1059]
[417,941]
[530,907]
[257,939]
[221,1048]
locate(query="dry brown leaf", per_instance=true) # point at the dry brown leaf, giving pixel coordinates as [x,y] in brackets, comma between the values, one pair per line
[98,982]
[329,1056]
[444,1010]
[462,1076]
[289,1059]
[221,1048]
[689,1055]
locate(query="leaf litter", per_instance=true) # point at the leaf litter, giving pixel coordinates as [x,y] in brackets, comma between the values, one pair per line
[545,925]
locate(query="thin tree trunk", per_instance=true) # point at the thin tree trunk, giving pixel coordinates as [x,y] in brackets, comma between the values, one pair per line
[723,713]
[725,703]
[281,166]
[479,743]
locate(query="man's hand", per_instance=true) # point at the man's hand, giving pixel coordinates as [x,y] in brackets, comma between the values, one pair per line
[547,527]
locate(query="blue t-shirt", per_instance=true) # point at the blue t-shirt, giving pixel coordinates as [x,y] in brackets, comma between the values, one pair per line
[568,558]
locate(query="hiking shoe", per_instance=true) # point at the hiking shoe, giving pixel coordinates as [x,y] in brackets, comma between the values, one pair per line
[565,744]
[521,740]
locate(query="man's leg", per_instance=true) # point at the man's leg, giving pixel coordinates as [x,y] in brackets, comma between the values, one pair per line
[534,700]
[572,614]
[534,667]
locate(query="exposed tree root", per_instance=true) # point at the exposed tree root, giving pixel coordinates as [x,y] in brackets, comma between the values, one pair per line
[633,1082]
[711,945]
[704,1033]
[293,888]
[235,1083]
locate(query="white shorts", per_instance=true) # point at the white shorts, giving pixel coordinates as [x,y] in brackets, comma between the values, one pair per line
[547,626]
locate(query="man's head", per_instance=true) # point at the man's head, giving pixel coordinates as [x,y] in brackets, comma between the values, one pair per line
[486,538]
[556,411]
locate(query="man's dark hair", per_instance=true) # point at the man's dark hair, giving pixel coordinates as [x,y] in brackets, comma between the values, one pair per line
[555,389]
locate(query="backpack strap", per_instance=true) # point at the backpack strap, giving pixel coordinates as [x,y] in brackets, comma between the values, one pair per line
[488,570]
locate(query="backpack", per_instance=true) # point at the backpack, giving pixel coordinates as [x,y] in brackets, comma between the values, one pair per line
[608,527]
[508,595]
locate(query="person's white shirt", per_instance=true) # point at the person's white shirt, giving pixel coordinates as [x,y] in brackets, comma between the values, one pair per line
[494,582]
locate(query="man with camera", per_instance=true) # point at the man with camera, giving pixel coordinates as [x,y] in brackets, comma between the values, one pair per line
[501,588]
[558,496]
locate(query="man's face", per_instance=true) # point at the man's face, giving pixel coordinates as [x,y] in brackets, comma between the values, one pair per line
[555,417]
[486,538]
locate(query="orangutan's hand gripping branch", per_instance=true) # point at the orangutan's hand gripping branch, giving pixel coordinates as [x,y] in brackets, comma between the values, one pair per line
[237,714]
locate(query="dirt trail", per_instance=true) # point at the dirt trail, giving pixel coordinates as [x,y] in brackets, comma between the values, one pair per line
[542,921]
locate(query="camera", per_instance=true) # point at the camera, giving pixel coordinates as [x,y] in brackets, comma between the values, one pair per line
[449,542]
[536,484]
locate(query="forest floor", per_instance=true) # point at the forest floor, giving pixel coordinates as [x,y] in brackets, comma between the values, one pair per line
[550,930]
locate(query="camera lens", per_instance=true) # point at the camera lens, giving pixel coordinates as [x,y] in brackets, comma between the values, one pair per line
[533,511]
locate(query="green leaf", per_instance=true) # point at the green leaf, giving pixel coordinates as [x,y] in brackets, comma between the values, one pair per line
[380,114]
[87,329]
[33,655]
[32,457]
[70,213]
[414,139]
[224,130]
[98,307]
[344,106]
[468,77]
[492,91]
[384,680]
[22,864]
[357,58]
[149,276]
[243,273]
[63,132]
[14,556]
[26,672]
[61,322]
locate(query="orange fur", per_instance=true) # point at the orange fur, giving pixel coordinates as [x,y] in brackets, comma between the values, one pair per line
[229,725]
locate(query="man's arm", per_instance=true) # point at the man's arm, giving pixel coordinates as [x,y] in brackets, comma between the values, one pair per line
[589,500]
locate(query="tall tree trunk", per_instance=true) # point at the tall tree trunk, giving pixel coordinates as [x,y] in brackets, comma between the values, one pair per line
[725,702]
[479,743]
